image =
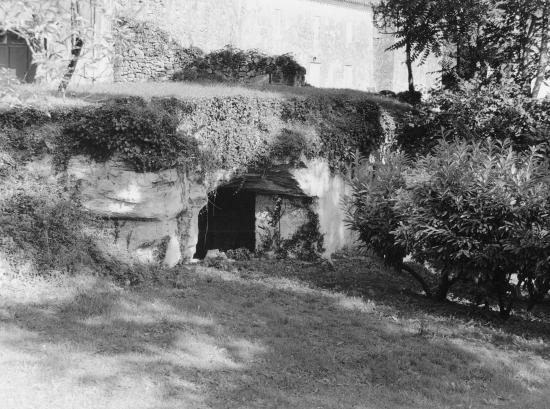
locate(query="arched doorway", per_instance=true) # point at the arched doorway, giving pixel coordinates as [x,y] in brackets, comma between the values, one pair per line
[16,56]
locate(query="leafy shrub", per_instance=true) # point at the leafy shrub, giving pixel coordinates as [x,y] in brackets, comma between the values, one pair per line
[234,64]
[289,145]
[235,133]
[479,213]
[47,229]
[475,111]
[371,209]
[240,254]
[410,97]
[371,206]
[140,134]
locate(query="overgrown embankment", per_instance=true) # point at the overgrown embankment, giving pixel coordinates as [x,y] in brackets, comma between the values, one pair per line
[199,136]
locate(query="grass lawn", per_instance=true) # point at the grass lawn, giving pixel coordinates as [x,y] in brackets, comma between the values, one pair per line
[261,334]
[45,96]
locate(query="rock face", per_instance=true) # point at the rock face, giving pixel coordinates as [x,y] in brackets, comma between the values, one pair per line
[330,190]
[149,217]
[112,190]
[152,218]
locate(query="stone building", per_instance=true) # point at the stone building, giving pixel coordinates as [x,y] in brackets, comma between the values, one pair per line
[335,40]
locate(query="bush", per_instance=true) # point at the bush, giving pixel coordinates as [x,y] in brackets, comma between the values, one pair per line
[410,97]
[479,213]
[233,64]
[47,230]
[207,134]
[371,206]
[476,111]
[142,135]
[371,209]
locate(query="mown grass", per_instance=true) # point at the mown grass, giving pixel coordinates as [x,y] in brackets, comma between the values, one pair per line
[257,335]
[46,96]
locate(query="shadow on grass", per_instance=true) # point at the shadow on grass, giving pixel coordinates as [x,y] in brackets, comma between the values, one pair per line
[366,277]
[209,338]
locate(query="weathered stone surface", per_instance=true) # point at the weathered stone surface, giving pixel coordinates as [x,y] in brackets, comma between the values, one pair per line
[153,217]
[112,190]
[330,190]
[143,242]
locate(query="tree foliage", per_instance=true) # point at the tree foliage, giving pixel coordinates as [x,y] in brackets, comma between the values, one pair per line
[475,110]
[412,22]
[60,33]
[476,38]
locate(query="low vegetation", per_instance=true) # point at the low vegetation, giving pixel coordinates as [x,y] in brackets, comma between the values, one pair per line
[475,111]
[261,334]
[204,134]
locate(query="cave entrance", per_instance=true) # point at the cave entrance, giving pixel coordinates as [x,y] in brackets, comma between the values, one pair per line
[227,222]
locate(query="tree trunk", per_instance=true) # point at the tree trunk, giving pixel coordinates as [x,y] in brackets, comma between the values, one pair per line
[72,66]
[443,287]
[544,57]
[409,67]
[524,55]
[418,278]
[77,44]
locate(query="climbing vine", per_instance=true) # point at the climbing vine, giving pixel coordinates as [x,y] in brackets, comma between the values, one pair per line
[305,244]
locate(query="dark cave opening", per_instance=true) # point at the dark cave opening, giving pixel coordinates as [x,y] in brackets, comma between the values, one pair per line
[227,222]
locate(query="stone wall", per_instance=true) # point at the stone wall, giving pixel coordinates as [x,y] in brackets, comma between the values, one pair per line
[147,53]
